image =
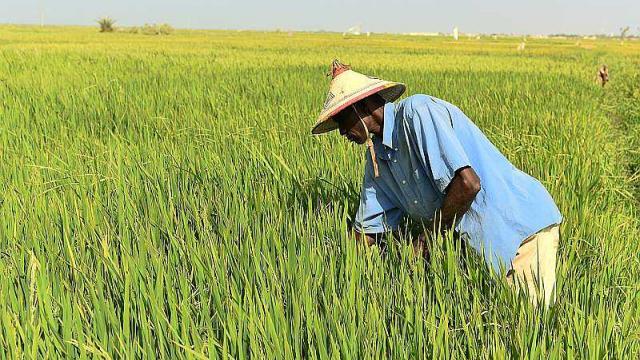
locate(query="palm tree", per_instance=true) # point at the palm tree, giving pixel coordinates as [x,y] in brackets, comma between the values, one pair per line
[106,24]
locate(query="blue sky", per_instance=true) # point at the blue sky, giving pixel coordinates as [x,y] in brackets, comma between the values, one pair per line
[488,16]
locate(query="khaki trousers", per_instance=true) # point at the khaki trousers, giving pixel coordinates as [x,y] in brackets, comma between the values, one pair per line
[535,265]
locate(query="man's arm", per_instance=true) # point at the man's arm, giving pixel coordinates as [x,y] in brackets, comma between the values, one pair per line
[459,195]
[376,213]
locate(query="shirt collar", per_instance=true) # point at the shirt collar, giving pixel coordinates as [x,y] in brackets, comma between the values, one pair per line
[389,124]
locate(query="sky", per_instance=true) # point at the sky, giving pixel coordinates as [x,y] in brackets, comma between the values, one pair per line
[393,16]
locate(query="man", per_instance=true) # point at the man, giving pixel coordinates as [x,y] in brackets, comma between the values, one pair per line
[603,75]
[428,161]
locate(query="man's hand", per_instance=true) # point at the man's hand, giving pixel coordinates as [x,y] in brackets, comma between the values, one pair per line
[421,246]
[365,238]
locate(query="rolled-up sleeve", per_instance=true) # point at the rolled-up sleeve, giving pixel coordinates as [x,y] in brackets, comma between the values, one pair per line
[376,213]
[441,148]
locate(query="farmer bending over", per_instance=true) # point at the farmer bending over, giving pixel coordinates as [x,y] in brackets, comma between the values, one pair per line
[427,160]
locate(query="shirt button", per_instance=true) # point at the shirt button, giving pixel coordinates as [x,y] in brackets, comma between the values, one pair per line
[396,149]
[404,182]
[415,201]
[395,160]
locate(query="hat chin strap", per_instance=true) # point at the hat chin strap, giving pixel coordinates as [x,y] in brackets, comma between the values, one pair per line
[372,151]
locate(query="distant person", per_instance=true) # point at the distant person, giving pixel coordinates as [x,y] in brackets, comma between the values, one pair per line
[603,75]
[428,161]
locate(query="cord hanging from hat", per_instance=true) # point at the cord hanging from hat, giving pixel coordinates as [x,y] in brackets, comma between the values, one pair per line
[372,151]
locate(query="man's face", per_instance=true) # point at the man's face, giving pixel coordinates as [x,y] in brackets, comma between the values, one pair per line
[349,122]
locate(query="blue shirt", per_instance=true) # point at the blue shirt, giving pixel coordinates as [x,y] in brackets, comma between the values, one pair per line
[424,142]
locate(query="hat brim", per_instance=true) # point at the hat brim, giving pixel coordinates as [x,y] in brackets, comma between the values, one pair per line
[390,92]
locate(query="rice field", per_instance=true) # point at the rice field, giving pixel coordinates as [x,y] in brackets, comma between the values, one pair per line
[162,197]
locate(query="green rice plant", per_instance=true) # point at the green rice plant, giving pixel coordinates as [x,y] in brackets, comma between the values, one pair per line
[161,197]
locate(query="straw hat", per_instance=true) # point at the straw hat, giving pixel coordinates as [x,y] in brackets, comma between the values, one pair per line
[348,87]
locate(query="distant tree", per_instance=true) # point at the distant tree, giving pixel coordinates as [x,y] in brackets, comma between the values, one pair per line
[107,24]
[164,29]
[624,31]
[152,29]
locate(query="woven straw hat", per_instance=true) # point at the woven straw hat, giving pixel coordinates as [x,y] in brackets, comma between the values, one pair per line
[348,87]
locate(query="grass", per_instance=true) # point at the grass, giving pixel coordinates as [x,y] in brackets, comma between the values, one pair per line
[162,197]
